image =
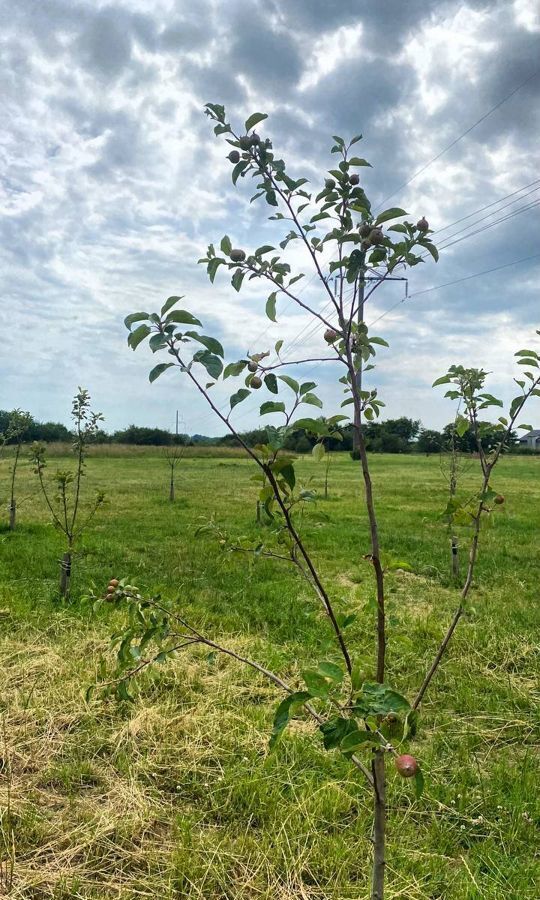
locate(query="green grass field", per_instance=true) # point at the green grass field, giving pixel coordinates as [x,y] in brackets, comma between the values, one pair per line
[176,796]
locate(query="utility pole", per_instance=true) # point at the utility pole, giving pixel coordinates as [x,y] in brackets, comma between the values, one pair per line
[361,289]
[176,423]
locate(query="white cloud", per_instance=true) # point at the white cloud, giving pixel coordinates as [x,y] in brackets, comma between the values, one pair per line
[113,184]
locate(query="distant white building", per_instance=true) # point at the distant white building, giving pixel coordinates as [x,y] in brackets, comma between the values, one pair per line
[531,439]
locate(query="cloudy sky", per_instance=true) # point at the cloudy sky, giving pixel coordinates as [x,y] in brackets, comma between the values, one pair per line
[112,184]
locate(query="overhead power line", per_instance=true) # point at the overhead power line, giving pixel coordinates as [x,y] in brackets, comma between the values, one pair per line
[489,205]
[438,287]
[461,136]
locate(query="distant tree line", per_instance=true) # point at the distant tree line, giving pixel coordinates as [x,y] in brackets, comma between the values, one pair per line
[402,435]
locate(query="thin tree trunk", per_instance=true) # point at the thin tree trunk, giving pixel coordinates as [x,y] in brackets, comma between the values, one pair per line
[65,574]
[379,826]
[12,501]
[171,489]
[455,557]
[326,475]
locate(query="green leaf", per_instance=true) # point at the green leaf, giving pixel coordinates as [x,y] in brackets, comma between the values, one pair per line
[331,670]
[462,426]
[379,340]
[237,398]
[135,317]
[279,345]
[493,401]
[318,451]
[234,368]
[335,730]
[158,370]
[213,266]
[290,382]
[266,248]
[157,342]
[123,694]
[356,739]
[254,119]
[169,303]
[307,386]
[393,213]
[431,248]
[379,699]
[284,712]
[357,161]
[444,379]
[238,169]
[226,245]
[287,472]
[183,317]
[311,425]
[317,684]
[217,109]
[271,307]
[211,363]
[530,353]
[211,343]
[140,333]
[312,400]
[238,278]
[271,406]
[270,381]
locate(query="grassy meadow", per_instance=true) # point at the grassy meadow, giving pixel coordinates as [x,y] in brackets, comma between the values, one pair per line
[175,796]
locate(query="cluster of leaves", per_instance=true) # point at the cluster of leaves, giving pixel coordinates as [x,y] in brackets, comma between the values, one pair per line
[469,390]
[342,204]
[17,426]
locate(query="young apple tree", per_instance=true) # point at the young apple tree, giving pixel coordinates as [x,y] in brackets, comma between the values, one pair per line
[68,513]
[365,718]
[17,428]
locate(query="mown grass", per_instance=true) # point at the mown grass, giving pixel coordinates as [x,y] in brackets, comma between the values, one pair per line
[175,796]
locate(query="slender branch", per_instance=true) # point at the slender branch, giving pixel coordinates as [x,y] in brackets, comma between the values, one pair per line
[266,553]
[294,297]
[298,362]
[77,534]
[56,519]
[277,494]
[80,463]
[202,639]
[312,252]
[313,572]
[144,663]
